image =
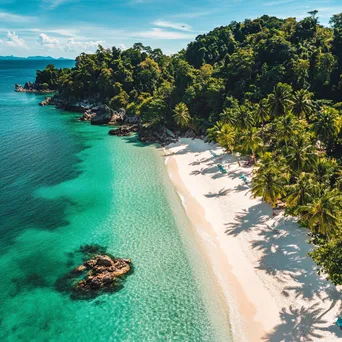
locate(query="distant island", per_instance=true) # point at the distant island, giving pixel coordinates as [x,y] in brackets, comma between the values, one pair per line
[34,58]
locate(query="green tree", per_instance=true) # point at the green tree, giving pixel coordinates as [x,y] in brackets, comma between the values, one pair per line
[181,115]
[269,184]
[328,257]
[227,138]
[262,114]
[300,155]
[302,103]
[280,101]
[300,193]
[152,110]
[323,214]
[251,142]
[327,125]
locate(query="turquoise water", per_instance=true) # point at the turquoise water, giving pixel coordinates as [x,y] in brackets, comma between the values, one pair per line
[64,184]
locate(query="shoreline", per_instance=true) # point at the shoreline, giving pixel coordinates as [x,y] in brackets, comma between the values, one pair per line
[286,300]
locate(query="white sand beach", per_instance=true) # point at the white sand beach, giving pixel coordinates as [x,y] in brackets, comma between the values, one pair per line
[269,282]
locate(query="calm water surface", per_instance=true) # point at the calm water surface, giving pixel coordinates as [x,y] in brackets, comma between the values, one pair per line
[64,184]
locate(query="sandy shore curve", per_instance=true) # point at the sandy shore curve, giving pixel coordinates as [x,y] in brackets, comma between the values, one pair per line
[269,282]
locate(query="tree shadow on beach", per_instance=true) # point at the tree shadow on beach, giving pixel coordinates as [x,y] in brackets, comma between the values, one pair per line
[218,175]
[201,161]
[282,257]
[241,187]
[223,192]
[285,257]
[301,324]
[204,171]
[247,220]
[235,174]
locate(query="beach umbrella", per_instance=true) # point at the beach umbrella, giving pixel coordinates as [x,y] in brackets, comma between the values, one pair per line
[339,322]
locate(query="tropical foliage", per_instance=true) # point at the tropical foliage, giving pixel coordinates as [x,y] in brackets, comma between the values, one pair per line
[270,88]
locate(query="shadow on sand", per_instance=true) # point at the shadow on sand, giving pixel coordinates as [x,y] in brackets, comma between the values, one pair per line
[283,259]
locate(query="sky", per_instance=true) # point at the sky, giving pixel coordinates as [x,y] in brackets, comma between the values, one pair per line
[65,28]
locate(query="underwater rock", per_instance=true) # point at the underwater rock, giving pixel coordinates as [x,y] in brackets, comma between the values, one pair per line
[99,273]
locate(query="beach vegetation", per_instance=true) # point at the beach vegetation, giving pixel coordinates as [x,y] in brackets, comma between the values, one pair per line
[268,87]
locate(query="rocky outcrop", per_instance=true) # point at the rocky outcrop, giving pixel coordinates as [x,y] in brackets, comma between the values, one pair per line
[116,117]
[48,101]
[101,118]
[160,135]
[30,87]
[88,115]
[99,274]
[124,131]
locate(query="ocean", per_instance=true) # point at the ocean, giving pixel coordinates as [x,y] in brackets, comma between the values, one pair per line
[65,184]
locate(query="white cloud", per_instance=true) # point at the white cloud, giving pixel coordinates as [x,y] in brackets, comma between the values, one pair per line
[13,40]
[47,41]
[175,26]
[52,4]
[14,18]
[156,33]
[123,47]
[192,14]
[72,45]
[0,41]
[59,32]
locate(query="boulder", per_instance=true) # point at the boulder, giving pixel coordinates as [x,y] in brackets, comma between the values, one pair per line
[46,102]
[124,131]
[100,119]
[88,115]
[159,135]
[100,273]
[104,260]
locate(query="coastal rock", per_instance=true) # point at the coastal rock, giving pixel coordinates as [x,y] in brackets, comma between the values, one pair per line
[101,118]
[100,273]
[116,117]
[46,102]
[87,115]
[159,135]
[124,131]
[31,87]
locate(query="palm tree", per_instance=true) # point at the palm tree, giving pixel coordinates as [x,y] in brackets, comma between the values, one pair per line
[242,118]
[285,130]
[270,179]
[262,114]
[226,137]
[339,178]
[300,193]
[300,155]
[251,141]
[323,214]
[214,131]
[302,103]
[324,171]
[327,124]
[181,115]
[280,101]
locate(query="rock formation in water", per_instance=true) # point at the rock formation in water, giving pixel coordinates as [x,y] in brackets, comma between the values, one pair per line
[31,87]
[160,135]
[88,115]
[124,131]
[99,273]
[48,101]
